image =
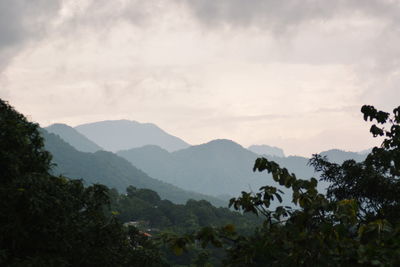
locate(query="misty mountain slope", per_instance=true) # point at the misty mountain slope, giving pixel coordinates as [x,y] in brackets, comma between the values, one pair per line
[267,150]
[73,137]
[111,170]
[220,167]
[124,134]
[339,156]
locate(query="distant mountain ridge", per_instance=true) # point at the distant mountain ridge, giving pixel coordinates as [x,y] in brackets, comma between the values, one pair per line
[220,167]
[73,137]
[111,170]
[267,150]
[117,135]
[338,156]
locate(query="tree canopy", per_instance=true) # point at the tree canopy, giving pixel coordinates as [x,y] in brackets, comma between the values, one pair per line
[356,224]
[54,221]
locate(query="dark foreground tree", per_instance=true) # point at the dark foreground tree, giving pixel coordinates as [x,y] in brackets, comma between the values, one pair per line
[54,221]
[375,182]
[357,224]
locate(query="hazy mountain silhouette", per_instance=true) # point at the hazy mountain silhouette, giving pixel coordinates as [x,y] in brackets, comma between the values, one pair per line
[267,150]
[73,137]
[124,134]
[111,170]
[338,156]
[365,151]
[219,168]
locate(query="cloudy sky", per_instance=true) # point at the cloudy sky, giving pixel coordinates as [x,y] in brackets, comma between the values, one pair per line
[287,73]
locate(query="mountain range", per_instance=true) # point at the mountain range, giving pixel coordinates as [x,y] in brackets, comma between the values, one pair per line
[124,134]
[73,137]
[220,168]
[111,170]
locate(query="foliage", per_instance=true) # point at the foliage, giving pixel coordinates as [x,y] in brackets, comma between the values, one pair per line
[144,205]
[373,183]
[53,221]
[145,209]
[354,225]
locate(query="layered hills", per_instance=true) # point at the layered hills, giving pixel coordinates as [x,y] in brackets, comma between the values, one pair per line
[111,170]
[73,137]
[219,168]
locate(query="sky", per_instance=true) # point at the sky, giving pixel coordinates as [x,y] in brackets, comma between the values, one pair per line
[286,73]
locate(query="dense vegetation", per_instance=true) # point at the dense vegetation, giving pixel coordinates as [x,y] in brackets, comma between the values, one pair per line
[47,220]
[356,224]
[53,221]
[147,206]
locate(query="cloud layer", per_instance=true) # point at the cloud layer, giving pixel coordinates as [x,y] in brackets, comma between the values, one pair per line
[285,73]
[22,21]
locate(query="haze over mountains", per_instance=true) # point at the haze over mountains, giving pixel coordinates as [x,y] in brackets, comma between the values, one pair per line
[111,170]
[73,137]
[220,168]
[124,134]
[267,150]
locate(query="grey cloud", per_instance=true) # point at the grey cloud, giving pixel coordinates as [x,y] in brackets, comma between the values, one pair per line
[104,14]
[279,14]
[372,56]
[21,21]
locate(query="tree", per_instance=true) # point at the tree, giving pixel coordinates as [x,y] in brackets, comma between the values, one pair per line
[375,182]
[54,221]
[353,225]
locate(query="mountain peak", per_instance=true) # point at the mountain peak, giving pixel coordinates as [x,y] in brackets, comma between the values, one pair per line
[222,142]
[116,135]
[267,150]
[339,156]
[73,137]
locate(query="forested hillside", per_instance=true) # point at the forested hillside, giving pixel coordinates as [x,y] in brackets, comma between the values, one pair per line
[146,206]
[111,170]
[48,220]
[51,220]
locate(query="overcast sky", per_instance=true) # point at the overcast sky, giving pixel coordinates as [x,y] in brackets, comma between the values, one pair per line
[292,74]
